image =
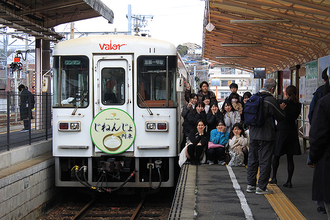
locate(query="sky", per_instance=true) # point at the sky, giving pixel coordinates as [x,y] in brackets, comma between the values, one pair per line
[175,21]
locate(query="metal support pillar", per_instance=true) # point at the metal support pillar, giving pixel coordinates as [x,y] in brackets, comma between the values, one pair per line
[46,53]
[38,76]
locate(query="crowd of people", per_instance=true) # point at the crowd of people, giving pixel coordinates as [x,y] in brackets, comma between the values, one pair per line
[220,127]
[216,135]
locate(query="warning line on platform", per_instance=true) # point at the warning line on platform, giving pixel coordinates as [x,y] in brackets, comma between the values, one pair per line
[283,207]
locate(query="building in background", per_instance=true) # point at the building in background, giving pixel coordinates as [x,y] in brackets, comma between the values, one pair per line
[197,67]
[221,77]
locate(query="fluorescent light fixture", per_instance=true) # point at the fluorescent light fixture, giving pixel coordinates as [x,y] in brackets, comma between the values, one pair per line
[258,21]
[231,57]
[241,45]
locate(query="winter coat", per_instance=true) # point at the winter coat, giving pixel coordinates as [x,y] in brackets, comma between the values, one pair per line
[272,112]
[213,120]
[319,152]
[317,95]
[200,95]
[287,141]
[219,137]
[231,118]
[236,146]
[26,100]
[185,110]
[191,120]
[195,138]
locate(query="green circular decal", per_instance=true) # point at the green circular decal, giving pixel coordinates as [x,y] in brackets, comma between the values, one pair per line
[113,131]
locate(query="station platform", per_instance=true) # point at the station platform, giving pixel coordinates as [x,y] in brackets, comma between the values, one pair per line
[27,176]
[219,192]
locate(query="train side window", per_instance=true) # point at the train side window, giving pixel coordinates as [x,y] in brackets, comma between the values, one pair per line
[112,88]
[70,81]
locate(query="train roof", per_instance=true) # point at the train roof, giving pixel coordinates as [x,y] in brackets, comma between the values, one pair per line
[114,44]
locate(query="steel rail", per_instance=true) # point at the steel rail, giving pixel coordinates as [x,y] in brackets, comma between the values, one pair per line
[81,214]
[137,210]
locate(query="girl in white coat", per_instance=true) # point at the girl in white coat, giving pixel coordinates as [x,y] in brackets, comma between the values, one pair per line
[238,146]
[230,115]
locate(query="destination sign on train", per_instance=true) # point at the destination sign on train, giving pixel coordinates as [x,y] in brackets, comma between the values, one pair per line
[72,62]
[154,62]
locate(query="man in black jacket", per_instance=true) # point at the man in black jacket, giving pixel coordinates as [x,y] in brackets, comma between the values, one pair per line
[262,141]
[25,107]
[319,152]
[203,92]
[317,95]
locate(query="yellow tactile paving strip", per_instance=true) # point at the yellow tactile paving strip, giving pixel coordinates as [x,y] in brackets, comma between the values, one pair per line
[283,207]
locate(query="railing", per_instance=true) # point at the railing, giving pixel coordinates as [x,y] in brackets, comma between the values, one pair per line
[38,120]
[303,123]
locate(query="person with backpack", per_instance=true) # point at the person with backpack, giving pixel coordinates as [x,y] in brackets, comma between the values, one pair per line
[262,137]
[26,105]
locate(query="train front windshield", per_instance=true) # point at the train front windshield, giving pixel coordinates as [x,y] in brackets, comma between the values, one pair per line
[156,81]
[70,81]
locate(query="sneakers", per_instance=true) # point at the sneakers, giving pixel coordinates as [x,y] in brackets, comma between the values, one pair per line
[24,130]
[250,189]
[262,192]
[210,162]
[221,162]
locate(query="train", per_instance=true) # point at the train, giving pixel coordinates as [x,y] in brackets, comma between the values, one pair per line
[117,103]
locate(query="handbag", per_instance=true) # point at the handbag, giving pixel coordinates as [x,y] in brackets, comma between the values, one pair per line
[212,145]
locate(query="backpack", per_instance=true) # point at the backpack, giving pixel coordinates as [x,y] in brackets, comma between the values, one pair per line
[253,110]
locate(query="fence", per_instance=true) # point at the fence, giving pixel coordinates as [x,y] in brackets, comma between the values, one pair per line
[17,109]
[303,124]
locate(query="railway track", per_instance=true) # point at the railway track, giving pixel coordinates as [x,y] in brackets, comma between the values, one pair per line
[109,206]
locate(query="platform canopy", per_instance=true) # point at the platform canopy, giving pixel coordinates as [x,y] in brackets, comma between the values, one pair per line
[274,34]
[38,17]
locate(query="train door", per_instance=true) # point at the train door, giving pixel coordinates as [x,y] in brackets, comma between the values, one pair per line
[113,83]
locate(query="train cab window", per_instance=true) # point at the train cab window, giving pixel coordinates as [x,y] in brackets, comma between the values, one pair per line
[113,85]
[156,81]
[70,81]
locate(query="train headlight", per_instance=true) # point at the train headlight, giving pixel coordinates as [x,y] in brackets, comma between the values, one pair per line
[151,126]
[75,126]
[69,126]
[156,126]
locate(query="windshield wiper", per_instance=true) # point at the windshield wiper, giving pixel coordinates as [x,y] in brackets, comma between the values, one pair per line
[77,106]
[144,102]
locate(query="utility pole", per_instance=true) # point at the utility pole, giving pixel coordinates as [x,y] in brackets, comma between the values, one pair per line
[139,22]
[72,30]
